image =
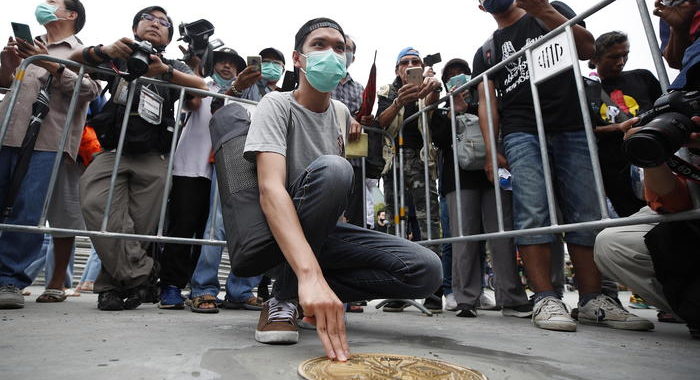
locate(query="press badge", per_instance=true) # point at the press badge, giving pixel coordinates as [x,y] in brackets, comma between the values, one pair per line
[150,106]
[120,95]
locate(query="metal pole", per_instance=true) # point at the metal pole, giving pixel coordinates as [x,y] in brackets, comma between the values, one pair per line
[458,182]
[214,210]
[171,156]
[118,157]
[62,145]
[546,169]
[588,126]
[426,167]
[364,193]
[402,187]
[494,151]
[397,211]
[653,44]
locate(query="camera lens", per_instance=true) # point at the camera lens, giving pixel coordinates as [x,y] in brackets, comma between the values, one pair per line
[658,140]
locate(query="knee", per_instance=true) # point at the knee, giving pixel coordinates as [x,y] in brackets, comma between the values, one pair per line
[427,273]
[335,170]
[604,249]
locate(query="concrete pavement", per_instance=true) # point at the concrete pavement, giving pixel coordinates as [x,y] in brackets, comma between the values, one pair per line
[73,340]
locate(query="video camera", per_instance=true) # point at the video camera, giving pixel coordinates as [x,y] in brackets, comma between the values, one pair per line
[196,34]
[666,127]
[137,63]
[432,59]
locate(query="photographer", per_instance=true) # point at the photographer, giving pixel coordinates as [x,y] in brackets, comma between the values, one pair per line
[127,268]
[62,20]
[625,254]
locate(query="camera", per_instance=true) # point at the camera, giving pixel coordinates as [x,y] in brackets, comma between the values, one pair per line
[196,34]
[138,62]
[665,128]
[432,59]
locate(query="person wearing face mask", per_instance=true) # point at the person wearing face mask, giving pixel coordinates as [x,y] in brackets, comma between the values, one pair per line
[396,102]
[519,23]
[62,20]
[297,140]
[128,273]
[254,83]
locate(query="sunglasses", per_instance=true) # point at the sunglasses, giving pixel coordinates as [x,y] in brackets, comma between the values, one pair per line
[415,62]
[149,17]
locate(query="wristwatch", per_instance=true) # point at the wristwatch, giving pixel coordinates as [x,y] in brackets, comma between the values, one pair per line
[235,91]
[100,53]
[168,75]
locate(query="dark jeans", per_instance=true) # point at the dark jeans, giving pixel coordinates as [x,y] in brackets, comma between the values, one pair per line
[357,263]
[188,210]
[355,212]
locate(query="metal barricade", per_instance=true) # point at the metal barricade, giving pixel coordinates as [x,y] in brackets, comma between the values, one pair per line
[159,236]
[563,32]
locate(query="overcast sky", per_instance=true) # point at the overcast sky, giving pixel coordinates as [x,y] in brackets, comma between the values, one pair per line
[453,28]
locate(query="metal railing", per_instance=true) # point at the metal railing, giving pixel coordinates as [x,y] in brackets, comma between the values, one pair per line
[159,236]
[554,227]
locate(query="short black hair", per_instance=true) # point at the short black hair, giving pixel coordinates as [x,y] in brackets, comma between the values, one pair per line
[77,7]
[455,62]
[354,44]
[605,41]
[137,18]
[310,26]
[380,211]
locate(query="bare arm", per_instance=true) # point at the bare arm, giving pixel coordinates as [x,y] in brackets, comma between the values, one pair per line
[321,305]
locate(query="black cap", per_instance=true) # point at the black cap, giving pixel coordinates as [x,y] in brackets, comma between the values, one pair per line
[228,53]
[310,26]
[272,53]
[452,63]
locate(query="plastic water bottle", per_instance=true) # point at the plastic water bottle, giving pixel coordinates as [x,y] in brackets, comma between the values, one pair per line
[504,179]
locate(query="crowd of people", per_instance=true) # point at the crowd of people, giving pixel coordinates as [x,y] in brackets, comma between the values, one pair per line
[328,253]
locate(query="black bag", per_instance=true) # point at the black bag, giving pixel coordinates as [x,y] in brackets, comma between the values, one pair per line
[251,246]
[374,162]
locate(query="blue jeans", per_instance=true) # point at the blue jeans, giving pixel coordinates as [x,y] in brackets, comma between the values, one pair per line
[446,248]
[572,178]
[92,267]
[18,249]
[205,278]
[46,262]
[357,263]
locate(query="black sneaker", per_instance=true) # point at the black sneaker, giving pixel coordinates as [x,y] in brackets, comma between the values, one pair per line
[466,311]
[433,303]
[110,300]
[395,306]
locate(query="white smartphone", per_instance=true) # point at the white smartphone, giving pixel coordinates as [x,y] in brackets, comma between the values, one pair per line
[414,75]
[255,61]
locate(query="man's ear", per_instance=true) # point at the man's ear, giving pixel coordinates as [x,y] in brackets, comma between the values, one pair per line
[296,59]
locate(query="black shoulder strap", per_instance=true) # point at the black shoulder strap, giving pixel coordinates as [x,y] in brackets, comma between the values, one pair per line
[488,50]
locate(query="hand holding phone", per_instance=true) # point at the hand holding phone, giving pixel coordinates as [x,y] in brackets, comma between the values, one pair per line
[414,75]
[22,32]
[254,61]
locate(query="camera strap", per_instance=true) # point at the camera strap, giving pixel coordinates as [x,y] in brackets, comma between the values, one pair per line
[684,168]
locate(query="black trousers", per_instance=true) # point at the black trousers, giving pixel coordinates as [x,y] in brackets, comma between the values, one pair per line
[188,209]
[355,212]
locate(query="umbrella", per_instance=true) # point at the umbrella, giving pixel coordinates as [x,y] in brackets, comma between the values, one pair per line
[40,109]
[370,92]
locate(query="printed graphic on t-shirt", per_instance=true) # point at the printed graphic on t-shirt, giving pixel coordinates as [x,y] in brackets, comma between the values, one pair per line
[623,104]
[517,70]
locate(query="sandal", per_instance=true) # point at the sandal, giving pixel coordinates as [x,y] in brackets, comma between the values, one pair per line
[51,296]
[207,299]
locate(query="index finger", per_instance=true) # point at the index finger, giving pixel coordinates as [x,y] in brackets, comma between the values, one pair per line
[321,330]
[342,334]
[335,325]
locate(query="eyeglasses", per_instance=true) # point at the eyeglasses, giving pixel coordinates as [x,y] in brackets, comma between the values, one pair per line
[149,17]
[414,62]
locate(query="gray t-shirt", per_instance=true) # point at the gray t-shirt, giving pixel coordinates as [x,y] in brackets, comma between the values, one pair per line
[302,139]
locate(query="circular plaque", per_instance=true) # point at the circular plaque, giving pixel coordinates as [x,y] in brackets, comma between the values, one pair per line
[385,366]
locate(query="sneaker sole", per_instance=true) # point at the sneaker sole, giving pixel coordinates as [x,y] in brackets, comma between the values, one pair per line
[171,307]
[12,304]
[277,337]
[556,326]
[516,314]
[635,326]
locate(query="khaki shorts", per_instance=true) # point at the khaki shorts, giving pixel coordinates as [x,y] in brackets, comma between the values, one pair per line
[64,210]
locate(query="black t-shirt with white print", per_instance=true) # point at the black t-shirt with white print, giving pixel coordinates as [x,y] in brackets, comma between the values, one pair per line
[558,95]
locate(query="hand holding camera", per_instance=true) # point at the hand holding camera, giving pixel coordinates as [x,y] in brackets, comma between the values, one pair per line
[121,49]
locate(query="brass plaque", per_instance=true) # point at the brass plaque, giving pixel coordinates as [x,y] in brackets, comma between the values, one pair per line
[385,366]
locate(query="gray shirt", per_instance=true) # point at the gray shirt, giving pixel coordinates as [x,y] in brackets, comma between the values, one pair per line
[281,125]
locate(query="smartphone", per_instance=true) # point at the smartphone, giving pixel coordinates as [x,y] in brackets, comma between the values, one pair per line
[289,82]
[22,32]
[414,75]
[457,81]
[672,3]
[255,61]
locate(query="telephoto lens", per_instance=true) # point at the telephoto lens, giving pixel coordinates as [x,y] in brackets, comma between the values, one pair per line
[656,142]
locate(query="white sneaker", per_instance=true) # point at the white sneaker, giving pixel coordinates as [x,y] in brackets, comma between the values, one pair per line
[11,297]
[450,302]
[604,311]
[550,314]
[486,302]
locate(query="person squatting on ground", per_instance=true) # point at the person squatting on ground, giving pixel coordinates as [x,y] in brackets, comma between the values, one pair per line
[519,23]
[62,20]
[304,185]
[127,268]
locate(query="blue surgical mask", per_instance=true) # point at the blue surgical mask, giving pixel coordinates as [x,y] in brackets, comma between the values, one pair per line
[45,13]
[221,82]
[324,69]
[271,71]
[496,6]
